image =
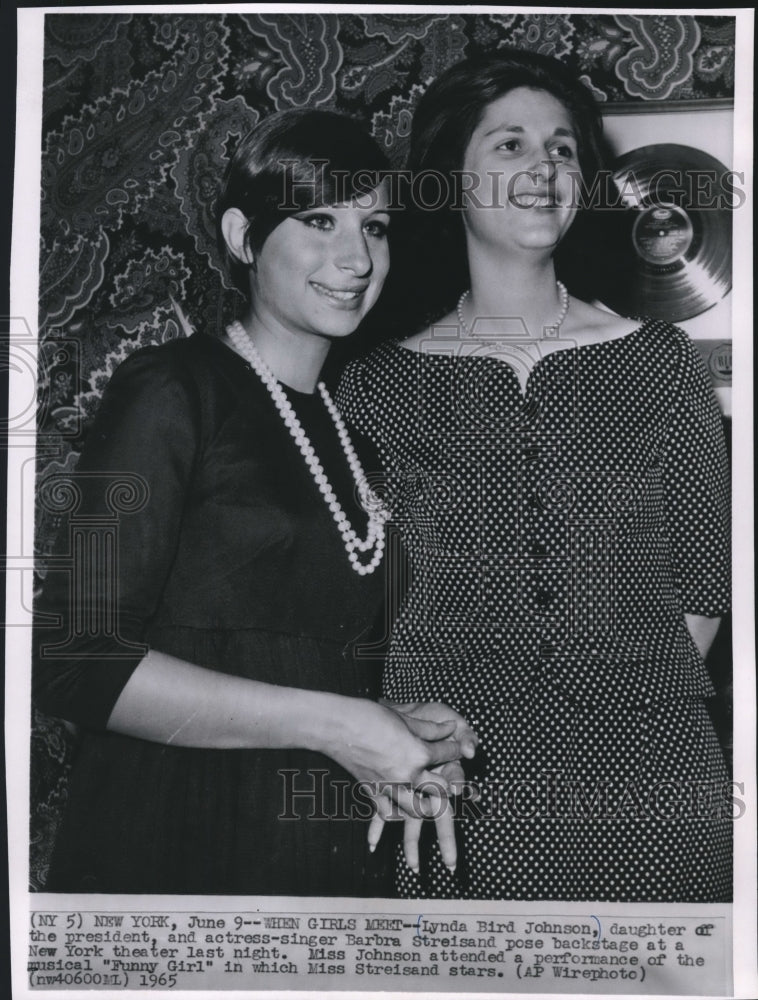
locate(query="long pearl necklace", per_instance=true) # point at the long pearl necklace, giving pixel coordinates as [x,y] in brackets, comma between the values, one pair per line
[377,515]
[551,331]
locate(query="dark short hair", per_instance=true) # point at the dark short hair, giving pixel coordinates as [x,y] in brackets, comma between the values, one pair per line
[443,123]
[454,104]
[292,161]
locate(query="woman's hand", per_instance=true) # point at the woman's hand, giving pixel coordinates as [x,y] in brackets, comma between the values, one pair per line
[443,817]
[171,701]
[422,718]
[426,719]
[381,748]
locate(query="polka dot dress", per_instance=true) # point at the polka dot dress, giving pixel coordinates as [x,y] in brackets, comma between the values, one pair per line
[556,535]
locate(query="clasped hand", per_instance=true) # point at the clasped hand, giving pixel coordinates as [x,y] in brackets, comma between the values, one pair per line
[407,759]
[447,737]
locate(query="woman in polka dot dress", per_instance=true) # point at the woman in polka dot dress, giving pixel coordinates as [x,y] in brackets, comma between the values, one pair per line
[558,474]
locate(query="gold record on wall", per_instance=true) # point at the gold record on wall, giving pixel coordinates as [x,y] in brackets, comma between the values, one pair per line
[672,231]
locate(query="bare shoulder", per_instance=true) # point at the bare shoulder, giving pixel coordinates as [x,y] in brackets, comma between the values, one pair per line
[589,324]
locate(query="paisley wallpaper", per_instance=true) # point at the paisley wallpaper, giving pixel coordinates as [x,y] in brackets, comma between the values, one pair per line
[139,113]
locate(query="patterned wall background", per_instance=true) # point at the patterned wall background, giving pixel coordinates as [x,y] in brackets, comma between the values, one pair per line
[139,113]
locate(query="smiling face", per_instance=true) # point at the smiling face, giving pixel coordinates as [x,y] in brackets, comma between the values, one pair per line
[523,152]
[321,270]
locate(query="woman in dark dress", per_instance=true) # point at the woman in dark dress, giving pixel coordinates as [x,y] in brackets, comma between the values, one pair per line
[559,474]
[225,719]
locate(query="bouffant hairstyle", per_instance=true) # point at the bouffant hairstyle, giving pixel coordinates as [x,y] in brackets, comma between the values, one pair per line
[444,121]
[290,162]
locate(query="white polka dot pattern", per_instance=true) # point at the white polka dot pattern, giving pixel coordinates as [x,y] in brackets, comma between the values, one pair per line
[556,536]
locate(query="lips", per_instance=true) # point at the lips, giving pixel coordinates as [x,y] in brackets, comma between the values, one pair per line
[341,295]
[535,199]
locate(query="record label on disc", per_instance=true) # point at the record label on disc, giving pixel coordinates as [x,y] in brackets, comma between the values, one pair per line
[662,234]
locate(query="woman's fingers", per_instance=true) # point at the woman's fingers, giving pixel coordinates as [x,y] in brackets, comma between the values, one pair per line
[433,721]
[429,800]
[435,783]
[443,821]
[394,802]
[375,828]
[419,803]
[454,776]
[385,810]
[411,834]
[446,836]
[443,751]
[428,729]
[469,741]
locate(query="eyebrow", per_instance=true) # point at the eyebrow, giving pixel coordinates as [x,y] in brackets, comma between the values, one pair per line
[560,131]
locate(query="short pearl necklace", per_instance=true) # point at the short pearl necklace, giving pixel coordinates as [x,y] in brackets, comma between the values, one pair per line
[550,331]
[377,515]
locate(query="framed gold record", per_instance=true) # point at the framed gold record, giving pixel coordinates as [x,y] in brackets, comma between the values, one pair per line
[670,231]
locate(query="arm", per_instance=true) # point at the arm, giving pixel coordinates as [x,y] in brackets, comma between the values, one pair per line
[151,428]
[697,495]
[168,700]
